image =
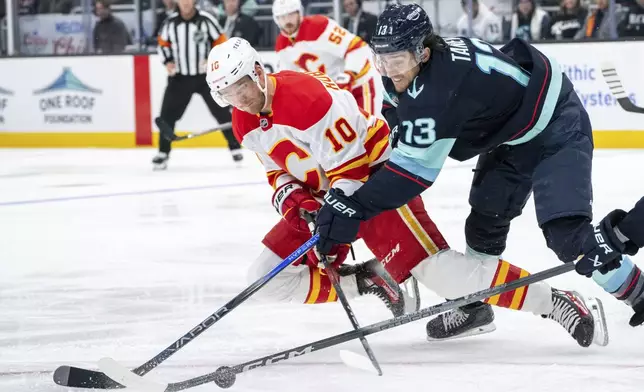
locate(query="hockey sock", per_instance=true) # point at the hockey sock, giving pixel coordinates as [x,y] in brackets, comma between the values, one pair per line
[321,289]
[625,283]
[506,272]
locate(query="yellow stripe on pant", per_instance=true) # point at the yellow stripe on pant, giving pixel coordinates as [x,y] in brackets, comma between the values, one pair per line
[414,226]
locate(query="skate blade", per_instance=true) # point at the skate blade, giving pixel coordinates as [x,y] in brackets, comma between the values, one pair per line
[482,330]
[596,308]
[411,293]
[159,167]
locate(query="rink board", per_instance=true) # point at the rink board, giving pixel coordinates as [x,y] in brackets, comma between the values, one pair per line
[111,101]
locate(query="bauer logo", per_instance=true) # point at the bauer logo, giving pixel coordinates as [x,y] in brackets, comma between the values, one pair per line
[4,102]
[67,100]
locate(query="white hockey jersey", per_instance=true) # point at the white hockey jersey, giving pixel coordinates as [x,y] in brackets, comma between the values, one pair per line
[486,26]
[315,134]
[320,44]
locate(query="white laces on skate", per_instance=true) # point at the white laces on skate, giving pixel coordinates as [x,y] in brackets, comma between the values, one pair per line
[565,314]
[454,319]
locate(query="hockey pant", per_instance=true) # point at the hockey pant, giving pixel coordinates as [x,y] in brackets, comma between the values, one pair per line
[408,243]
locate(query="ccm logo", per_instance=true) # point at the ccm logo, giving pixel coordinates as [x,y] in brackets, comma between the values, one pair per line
[343,209]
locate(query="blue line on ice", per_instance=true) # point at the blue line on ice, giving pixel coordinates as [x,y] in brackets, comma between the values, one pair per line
[134,193]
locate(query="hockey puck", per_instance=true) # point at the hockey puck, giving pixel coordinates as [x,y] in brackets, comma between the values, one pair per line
[225,377]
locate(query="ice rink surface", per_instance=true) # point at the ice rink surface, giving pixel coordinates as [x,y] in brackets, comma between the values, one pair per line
[101,256]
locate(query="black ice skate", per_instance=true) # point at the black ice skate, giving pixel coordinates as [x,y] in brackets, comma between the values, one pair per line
[372,278]
[578,317]
[638,317]
[469,320]
[237,155]
[160,161]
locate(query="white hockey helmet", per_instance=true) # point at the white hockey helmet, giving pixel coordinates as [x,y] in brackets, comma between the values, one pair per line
[229,62]
[285,7]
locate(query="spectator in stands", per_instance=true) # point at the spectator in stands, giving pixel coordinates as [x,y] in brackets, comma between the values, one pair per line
[632,24]
[110,34]
[248,7]
[28,7]
[359,22]
[238,24]
[598,23]
[170,7]
[529,21]
[568,21]
[485,24]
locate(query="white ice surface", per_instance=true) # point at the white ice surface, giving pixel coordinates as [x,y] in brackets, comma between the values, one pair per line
[100,256]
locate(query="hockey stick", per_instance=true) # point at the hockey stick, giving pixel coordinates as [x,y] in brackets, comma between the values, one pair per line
[226,376]
[617,89]
[168,133]
[335,281]
[74,377]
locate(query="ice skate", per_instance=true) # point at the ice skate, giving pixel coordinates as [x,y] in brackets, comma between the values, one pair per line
[571,311]
[638,317]
[237,155]
[372,278]
[470,320]
[160,161]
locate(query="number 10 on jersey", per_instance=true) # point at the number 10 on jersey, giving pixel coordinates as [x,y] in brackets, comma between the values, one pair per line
[344,130]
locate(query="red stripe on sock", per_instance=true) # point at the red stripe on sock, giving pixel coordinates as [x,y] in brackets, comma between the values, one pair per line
[496,275]
[506,298]
[631,285]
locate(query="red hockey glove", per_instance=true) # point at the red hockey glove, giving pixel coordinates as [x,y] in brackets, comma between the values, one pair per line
[336,257]
[290,200]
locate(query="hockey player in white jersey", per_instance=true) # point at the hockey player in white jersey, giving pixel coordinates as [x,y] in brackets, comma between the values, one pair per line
[316,43]
[485,24]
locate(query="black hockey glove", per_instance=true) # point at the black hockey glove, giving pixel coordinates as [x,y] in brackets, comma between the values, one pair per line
[603,250]
[337,221]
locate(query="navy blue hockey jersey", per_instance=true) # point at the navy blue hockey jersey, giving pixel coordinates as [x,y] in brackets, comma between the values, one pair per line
[467,100]
[470,99]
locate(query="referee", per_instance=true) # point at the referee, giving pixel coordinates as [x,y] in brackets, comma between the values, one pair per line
[185,39]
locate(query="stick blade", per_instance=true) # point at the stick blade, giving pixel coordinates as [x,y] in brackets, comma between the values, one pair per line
[124,376]
[73,377]
[358,361]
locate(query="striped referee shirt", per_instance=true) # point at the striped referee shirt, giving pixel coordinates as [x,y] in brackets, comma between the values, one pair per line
[188,42]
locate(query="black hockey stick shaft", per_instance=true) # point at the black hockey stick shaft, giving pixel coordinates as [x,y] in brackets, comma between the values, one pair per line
[168,133]
[84,378]
[333,276]
[335,281]
[617,89]
[373,328]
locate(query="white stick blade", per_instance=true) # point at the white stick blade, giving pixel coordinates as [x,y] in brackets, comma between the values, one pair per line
[124,376]
[357,361]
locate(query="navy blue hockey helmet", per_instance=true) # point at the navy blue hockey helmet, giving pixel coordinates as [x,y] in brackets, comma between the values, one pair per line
[401,27]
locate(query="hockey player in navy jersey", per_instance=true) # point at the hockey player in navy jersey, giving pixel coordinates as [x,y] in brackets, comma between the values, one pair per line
[517,111]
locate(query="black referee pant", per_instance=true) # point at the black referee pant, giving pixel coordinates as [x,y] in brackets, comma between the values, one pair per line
[176,99]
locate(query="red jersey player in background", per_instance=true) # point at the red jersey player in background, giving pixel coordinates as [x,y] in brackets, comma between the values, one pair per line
[316,43]
[311,136]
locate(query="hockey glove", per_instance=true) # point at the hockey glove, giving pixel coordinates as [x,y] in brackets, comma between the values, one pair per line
[338,221]
[335,258]
[291,200]
[603,249]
